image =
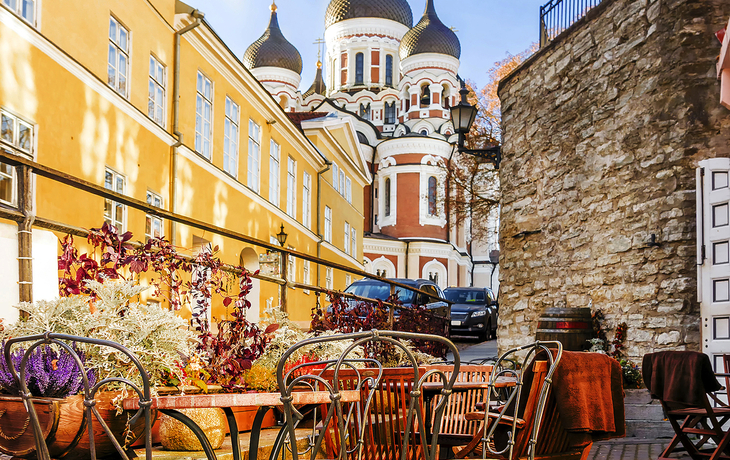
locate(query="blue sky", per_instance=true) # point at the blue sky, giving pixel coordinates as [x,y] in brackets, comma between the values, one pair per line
[487,29]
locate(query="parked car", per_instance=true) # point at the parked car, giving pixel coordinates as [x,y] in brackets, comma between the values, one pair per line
[474,311]
[375,289]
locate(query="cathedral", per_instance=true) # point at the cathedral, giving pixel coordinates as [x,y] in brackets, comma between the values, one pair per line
[395,82]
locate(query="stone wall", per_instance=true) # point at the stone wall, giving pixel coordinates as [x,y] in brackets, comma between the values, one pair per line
[603,129]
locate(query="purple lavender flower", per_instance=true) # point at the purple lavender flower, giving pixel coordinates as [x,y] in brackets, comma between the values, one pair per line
[48,373]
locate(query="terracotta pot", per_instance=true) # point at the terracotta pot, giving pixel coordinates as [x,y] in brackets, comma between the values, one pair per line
[64,425]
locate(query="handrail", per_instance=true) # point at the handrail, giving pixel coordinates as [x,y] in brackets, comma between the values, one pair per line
[558,15]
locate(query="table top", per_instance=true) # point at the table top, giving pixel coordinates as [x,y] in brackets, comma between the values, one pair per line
[239,400]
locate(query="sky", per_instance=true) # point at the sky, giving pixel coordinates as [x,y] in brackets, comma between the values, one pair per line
[488,30]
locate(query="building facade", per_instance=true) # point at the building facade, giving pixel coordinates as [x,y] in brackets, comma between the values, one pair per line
[394,80]
[143,97]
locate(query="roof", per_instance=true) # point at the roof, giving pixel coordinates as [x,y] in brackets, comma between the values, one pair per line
[272,49]
[298,117]
[318,86]
[430,35]
[395,10]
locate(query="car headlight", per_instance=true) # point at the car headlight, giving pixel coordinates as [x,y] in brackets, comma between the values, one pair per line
[478,313]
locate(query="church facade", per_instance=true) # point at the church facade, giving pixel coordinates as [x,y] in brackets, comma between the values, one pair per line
[394,79]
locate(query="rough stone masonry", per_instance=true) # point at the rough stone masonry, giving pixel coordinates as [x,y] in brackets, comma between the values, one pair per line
[603,130]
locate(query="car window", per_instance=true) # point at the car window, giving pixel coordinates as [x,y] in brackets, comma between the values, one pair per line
[465,296]
[379,291]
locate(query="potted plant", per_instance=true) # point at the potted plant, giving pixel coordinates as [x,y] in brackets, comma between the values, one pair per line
[155,335]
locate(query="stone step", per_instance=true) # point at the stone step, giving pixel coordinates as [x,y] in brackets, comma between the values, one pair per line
[648,429]
[644,412]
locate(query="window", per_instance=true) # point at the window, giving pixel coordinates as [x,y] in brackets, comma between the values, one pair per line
[425,95]
[348,190]
[353,242]
[389,70]
[359,58]
[230,138]
[432,183]
[254,150]
[114,213]
[118,56]
[390,113]
[328,278]
[347,238]
[274,161]
[365,111]
[306,199]
[153,224]
[335,175]
[291,270]
[387,197]
[305,275]
[23,8]
[17,134]
[342,182]
[348,279]
[328,224]
[203,114]
[291,187]
[156,97]
[332,73]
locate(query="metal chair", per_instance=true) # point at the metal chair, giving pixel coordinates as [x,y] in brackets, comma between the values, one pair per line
[389,421]
[91,412]
[511,417]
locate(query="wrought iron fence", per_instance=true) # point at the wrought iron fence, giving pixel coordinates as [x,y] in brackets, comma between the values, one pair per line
[558,15]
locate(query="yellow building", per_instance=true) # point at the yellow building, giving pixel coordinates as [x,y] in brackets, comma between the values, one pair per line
[143,97]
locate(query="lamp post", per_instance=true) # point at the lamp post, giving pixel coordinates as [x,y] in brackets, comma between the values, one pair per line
[462,117]
[281,238]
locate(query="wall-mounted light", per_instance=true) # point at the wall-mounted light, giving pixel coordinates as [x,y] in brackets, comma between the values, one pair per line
[463,115]
[281,236]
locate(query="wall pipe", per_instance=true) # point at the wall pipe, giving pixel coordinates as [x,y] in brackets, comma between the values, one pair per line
[198,15]
[328,165]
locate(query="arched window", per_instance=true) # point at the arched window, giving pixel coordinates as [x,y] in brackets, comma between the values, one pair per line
[387,197]
[359,57]
[365,111]
[390,113]
[389,70]
[424,132]
[432,207]
[332,73]
[425,95]
[445,96]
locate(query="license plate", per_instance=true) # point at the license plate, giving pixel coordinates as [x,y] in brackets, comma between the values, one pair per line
[456,323]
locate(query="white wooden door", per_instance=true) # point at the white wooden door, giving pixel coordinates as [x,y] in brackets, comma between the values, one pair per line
[713,256]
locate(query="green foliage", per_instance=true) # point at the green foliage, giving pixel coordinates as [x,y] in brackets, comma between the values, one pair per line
[157,336]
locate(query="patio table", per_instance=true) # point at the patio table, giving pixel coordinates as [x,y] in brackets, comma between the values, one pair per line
[171,405]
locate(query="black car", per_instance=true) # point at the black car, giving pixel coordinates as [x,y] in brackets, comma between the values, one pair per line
[474,311]
[375,289]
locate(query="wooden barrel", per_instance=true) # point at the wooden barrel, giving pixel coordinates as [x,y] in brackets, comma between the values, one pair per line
[570,326]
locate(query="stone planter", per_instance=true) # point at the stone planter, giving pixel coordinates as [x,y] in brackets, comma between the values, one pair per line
[176,436]
[64,425]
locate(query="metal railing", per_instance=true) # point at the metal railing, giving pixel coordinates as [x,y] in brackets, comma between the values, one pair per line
[557,15]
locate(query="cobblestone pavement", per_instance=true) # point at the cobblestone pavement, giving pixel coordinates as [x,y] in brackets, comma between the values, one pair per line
[631,449]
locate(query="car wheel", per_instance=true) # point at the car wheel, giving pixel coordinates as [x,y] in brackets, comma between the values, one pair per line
[485,334]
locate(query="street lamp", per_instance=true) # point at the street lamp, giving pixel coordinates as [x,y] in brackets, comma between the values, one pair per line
[462,117]
[281,236]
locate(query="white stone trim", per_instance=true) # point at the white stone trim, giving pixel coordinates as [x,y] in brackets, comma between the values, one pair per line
[383,263]
[437,267]
[409,145]
[429,61]
[278,75]
[387,221]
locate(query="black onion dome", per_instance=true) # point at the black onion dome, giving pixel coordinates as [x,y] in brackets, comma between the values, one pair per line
[430,35]
[273,50]
[318,87]
[395,10]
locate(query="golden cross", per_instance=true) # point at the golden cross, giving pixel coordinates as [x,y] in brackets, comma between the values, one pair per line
[319,41]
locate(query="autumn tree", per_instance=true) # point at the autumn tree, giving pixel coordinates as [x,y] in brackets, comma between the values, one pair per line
[474,182]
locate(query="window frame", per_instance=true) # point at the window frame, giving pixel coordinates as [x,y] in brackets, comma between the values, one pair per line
[291,187]
[274,173]
[253,175]
[346,245]
[360,68]
[306,199]
[203,135]
[336,177]
[432,197]
[353,242]
[13,145]
[388,70]
[150,218]
[328,224]
[329,278]
[158,83]
[231,123]
[306,274]
[115,43]
[18,10]
[387,207]
[348,190]
[113,219]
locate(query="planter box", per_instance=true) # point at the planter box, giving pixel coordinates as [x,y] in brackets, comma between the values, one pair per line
[64,425]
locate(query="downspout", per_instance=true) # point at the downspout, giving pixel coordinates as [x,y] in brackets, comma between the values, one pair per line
[372,195]
[198,15]
[328,165]
[408,244]
[448,204]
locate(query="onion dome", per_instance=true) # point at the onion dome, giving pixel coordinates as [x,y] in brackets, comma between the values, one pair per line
[272,49]
[395,10]
[318,87]
[430,35]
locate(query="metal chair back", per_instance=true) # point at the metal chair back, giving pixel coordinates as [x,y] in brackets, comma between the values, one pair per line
[90,392]
[355,425]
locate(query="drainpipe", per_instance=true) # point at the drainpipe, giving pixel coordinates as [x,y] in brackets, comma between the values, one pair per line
[198,15]
[25,236]
[408,244]
[328,165]
[372,195]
